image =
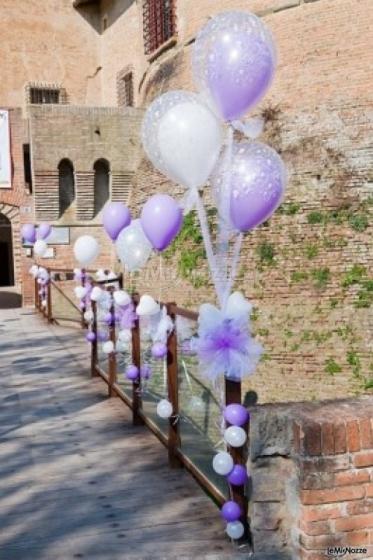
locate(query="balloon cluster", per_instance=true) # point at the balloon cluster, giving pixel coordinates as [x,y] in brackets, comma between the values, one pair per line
[234,61]
[42,277]
[36,237]
[114,308]
[235,436]
[160,222]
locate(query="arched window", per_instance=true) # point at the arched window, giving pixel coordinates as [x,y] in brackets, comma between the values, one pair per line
[66,184]
[101,184]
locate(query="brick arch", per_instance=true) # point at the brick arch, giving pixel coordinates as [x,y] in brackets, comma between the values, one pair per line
[12,213]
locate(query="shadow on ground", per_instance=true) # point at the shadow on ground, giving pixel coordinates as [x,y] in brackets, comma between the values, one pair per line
[10,299]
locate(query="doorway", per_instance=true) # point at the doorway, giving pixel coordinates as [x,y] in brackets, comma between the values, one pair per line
[6,252]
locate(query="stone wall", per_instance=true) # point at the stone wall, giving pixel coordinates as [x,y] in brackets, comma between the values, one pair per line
[312,479]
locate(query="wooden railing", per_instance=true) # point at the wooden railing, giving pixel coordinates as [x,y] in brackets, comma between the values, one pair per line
[109,373]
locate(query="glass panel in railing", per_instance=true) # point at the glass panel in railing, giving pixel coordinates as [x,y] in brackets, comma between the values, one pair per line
[65,305]
[153,375]
[201,428]
[124,360]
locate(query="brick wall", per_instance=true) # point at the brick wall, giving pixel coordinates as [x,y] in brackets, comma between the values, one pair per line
[312,316]
[312,478]
[61,132]
[16,203]
[48,42]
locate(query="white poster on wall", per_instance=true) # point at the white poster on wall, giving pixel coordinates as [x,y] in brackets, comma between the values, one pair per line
[5,164]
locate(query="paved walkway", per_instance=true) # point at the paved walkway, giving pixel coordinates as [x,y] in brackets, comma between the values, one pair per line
[77,480]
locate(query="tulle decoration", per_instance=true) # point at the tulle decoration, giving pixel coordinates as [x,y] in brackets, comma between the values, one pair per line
[156,328]
[224,344]
[128,317]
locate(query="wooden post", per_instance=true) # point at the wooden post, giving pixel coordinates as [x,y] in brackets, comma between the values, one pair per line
[136,360]
[83,282]
[173,393]
[112,356]
[49,297]
[239,455]
[36,293]
[94,345]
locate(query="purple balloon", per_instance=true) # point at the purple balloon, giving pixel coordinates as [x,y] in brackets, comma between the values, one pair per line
[238,476]
[231,511]
[234,61]
[145,371]
[82,305]
[256,183]
[28,233]
[159,350]
[240,74]
[116,217]
[108,318]
[90,336]
[236,414]
[102,336]
[43,231]
[132,373]
[161,220]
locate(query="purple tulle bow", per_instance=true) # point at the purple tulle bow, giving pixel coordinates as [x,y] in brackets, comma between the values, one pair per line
[225,345]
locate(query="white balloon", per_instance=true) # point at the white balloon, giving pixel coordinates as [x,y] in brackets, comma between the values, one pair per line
[164,408]
[44,303]
[43,275]
[122,298]
[222,463]
[108,347]
[235,436]
[235,529]
[88,316]
[182,137]
[133,247]
[40,248]
[96,294]
[125,335]
[147,306]
[190,140]
[100,274]
[86,249]
[80,292]
[34,270]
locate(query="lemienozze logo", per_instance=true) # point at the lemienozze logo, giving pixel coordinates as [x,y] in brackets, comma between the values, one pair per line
[344,551]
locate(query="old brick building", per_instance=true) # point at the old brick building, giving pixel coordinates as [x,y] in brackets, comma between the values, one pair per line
[76,76]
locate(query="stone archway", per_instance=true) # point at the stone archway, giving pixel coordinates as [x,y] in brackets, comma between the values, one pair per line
[6,252]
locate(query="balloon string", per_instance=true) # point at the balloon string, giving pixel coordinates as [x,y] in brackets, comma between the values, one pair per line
[160,278]
[234,267]
[224,228]
[208,247]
